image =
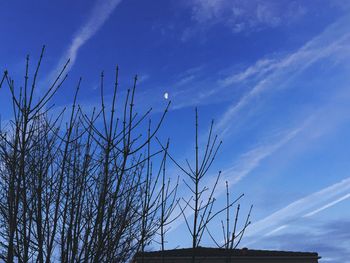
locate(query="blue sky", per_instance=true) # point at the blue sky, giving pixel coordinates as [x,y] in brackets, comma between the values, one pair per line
[273,74]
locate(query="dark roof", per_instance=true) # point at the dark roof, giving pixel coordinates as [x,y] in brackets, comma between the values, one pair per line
[221,252]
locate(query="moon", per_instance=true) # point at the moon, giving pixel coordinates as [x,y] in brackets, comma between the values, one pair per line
[166,95]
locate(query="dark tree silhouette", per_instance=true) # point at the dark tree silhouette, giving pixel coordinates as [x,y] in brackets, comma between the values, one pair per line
[80,190]
[93,187]
[200,204]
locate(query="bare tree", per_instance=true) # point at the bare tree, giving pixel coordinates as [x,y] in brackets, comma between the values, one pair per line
[80,186]
[80,190]
[17,178]
[231,238]
[200,205]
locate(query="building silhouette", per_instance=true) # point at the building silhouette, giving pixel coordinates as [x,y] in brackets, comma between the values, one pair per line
[220,255]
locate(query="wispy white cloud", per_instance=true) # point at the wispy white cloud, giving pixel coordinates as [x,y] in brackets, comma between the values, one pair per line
[99,14]
[245,16]
[250,160]
[259,69]
[276,230]
[332,42]
[297,209]
[268,73]
[328,205]
[330,239]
